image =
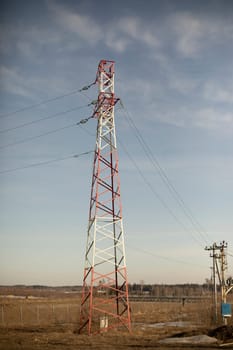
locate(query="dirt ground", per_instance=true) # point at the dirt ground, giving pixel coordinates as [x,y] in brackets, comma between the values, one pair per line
[151,322]
[55,338]
[59,339]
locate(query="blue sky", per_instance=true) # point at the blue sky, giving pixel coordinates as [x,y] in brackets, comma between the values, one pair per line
[174,75]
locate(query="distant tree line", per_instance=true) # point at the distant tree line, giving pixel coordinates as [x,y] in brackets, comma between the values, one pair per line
[156,290]
[176,290]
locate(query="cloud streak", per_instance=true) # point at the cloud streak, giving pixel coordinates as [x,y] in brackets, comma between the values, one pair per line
[83,26]
[195,33]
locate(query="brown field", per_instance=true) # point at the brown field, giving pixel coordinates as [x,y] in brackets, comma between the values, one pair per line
[51,321]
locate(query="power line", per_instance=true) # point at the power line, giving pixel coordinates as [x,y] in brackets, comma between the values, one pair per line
[159,197]
[164,177]
[86,131]
[37,136]
[147,252]
[44,162]
[82,121]
[47,101]
[44,118]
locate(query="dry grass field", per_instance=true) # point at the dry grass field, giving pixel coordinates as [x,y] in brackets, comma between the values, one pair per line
[51,322]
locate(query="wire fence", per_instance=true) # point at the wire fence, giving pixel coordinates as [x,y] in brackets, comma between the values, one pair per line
[23,314]
[43,314]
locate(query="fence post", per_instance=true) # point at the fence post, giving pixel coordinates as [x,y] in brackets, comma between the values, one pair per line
[38,313]
[2,312]
[21,314]
[53,317]
[68,313]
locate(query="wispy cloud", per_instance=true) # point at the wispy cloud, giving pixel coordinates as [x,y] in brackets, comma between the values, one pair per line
[116,42]
[194,32]
[14,83]
[117,35]
[212,118]
[189,32]
[138,30]
[166,88]
[127,32]
[205,118]
[219,91]
[85,27]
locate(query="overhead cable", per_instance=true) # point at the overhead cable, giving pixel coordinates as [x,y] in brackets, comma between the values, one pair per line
[38,136]
[47,101]
[154,161]
[32,165]
[44,118]
[82,121]
[159,197]
[147,252]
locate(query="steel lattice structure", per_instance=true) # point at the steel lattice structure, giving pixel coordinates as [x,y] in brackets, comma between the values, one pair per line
[105,302]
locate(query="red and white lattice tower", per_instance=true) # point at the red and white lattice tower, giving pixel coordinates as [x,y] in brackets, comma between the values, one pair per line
[105,302]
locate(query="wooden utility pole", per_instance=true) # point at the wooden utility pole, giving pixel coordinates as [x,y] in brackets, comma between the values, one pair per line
[226,285]
[214,290]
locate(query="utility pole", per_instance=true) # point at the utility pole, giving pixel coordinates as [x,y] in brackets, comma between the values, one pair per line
[226,285]
[220,266]
[223,268]
[214,291]
[105,301]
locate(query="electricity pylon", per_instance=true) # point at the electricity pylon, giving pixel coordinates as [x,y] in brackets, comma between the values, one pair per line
[105,301]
